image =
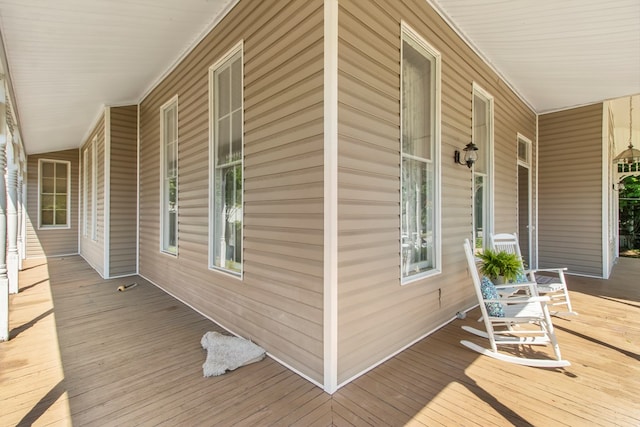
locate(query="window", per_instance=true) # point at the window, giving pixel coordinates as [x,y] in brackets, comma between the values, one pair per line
[226,86]
[420,210]
[169,172]
[94,189]
[55,184]
[482,124]
[85,192]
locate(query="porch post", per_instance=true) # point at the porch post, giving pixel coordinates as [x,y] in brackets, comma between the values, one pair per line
[20,220]
[4,281]
[12,218]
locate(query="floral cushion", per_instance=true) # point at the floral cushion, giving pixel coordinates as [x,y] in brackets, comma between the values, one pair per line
[489,291]
[521,277]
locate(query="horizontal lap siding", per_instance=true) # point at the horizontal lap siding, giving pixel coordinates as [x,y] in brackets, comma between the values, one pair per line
[123,204]
[377,316]
[51,242]
[570,225]
[278,304]
[93,251]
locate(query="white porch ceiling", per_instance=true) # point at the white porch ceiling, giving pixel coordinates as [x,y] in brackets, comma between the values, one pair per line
[555,53]
[68,58]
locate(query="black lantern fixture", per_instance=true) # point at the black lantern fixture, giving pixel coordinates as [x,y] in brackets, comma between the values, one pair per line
[470,155]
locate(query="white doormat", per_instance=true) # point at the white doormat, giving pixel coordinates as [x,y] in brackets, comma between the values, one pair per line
[226,353]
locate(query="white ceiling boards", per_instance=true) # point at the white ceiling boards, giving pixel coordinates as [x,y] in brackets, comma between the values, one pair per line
[68,58]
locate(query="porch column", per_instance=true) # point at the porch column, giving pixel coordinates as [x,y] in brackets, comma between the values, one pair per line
[20,221]
[4,280]
[12,219]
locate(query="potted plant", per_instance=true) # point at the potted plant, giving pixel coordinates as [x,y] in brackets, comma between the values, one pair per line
[500,266]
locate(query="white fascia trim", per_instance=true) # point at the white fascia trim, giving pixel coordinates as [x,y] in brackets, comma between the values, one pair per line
[216,20]
[330,195]
[107,191]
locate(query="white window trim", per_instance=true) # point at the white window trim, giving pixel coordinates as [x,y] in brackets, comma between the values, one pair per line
[489,209]
[163,237]
[54,227]
[94,189]
[437,197]
[239,47]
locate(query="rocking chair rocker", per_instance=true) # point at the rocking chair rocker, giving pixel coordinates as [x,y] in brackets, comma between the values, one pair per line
[511,321]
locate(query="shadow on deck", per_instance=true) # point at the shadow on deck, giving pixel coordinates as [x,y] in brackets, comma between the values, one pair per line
[83,353]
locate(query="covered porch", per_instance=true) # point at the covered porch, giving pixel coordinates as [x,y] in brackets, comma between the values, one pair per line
[82,353]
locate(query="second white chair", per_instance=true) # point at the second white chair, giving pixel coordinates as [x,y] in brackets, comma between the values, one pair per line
[551,283]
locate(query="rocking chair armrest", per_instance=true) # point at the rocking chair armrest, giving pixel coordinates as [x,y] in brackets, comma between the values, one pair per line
[549,270]
[516,285]
[518,300]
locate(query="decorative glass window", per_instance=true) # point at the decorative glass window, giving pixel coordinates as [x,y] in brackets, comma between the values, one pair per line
[55,192]
[482,170]
[169,173]
[226,86]
[420,210]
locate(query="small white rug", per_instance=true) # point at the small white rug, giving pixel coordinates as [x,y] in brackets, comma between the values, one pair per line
[226,353]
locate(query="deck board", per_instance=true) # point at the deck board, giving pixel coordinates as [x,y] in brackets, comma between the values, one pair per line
[82,353]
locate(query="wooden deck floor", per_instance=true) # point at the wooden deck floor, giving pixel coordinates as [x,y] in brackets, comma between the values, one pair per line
[83,354]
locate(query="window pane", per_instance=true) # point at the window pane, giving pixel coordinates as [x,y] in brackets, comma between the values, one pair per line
[224,82]
[481,132]
[479,202]
[224,134]
[61,201]
[228,219]
[236,84]
[48,185]
[48,169]
[236,135]
[418,218]
[61,217]
[416,101]
[522,151]
[61,185]
[47,202]
[61,170]
[170,124]
[171,160]
[46,217]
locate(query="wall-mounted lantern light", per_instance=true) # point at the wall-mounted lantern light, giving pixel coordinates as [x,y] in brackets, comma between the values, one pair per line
[470,155]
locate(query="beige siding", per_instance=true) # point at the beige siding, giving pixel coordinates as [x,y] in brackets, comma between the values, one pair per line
[123,194]
[378,316]
[278,303]
[570,225]
[51,242]
[90,249]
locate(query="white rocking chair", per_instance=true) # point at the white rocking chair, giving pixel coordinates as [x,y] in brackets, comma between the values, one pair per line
[524,321]
[552,284]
